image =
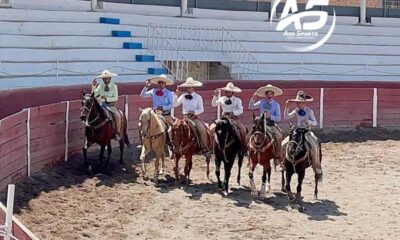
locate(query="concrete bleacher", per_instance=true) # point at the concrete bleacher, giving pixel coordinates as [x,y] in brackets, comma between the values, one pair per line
[35,35]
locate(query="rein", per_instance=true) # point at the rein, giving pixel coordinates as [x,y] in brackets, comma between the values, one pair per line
[292,160]
[89,123]
[183,148]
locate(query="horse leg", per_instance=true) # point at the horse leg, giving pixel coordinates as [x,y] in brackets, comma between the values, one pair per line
[263,194]
[121,151]
[86,164]
[101,156]
[176,168]
[218,162]
[269,177]
[300,178]
[253,189]
[228,167]
[283,189]
[316,186]
[289,173]
[143,153]
[240,163]
[156,166]
[188,168]
[109,151]
[208,159]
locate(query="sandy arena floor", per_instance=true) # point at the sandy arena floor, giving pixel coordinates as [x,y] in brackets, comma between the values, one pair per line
[359,199]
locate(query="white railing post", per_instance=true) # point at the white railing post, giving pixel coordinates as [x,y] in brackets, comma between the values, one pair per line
[28,141]
[375,108]
[66,130]
[94,5]
[219,109]
[321,108]
[10,210]
[222,39]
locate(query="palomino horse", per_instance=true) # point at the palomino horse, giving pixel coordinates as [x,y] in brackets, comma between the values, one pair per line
[154,134]
[99,128]
[297,159]
[184,140]
[261,151]
[226,147]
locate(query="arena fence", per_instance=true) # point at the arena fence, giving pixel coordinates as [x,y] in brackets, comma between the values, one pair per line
[41,136]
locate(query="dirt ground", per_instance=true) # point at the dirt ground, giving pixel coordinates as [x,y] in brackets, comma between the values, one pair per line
[359,199]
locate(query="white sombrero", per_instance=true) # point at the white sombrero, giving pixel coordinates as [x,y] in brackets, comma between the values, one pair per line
[269,88]
[162,78]
[231,88]
[302,97]
[106,74]
[190,82]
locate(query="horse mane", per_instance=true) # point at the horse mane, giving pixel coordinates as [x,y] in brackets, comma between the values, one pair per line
[228,122]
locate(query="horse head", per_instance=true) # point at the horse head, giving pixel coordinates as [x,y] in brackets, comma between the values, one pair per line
[296,143]
[182,133]
[88,102]
[224,133]
[144,121]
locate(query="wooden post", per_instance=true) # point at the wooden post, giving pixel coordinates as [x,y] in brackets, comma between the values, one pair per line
[321,109]
[375,108]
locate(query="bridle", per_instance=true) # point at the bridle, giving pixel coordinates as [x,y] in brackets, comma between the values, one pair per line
[260,148]
[227,143]
[299,149]
[88,123]
[150,137]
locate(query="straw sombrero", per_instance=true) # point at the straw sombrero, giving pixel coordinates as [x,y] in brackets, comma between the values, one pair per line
[191,83]
[302,97]
[269,88]
[231,88]
[162,78]
[106,74]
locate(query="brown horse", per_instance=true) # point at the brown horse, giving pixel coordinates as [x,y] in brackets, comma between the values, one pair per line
[184,140]
[260,147]
[153,132]
[100,129]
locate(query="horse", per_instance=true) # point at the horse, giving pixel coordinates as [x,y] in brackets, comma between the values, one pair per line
[100,129]
[297,160]
[184,140]
[153,132]
[226,147]
[261,150]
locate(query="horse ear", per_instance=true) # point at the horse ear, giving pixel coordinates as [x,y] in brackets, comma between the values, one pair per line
[83,92]
[140,109]
[92,95]
[254,116]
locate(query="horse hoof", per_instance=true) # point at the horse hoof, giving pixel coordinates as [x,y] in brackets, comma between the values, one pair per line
[283,190]
[290,196]
[254,194]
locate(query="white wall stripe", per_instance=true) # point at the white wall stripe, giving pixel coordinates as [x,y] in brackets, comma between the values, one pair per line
[10,210]
[321,108]
[375,108]
[28,140]
[126,107]
[66,130]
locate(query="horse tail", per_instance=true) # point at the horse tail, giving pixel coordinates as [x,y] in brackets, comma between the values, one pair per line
[320,177]
[126,140]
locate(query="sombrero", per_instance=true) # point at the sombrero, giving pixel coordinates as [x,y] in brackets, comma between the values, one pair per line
[106,74]
[162,78]
[302,97]
[269,88]
[191,83]
[231,88]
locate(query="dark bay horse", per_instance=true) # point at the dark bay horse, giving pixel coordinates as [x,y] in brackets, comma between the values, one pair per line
[261,151]
[99,129]
[226,148]
[297,160]
[184,140]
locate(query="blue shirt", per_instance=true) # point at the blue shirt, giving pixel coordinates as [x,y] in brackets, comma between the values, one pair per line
[271,106]
[165,101]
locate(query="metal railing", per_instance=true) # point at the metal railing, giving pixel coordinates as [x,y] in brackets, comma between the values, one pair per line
[203,39]
[166,52]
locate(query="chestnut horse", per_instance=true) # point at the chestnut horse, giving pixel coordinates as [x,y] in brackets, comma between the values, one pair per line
[185,143]
[297,159]
[226,147]
[99,128]
[261,151]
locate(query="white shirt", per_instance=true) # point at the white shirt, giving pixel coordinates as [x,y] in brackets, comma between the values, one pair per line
[195,104]
[302,121]
[236,107]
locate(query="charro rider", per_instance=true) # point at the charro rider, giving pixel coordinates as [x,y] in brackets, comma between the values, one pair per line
[162,98]
[107,95]
[192,107]
[232,108]
[305,119]
[263,99]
